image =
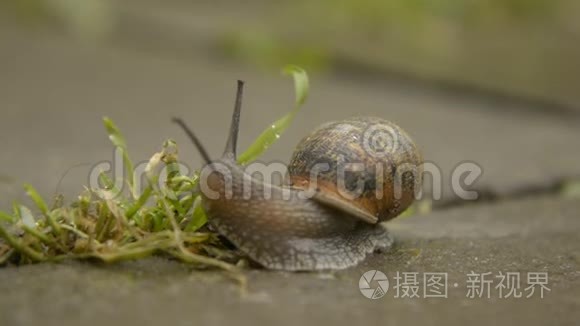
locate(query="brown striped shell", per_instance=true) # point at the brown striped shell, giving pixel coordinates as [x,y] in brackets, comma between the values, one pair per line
[367,167]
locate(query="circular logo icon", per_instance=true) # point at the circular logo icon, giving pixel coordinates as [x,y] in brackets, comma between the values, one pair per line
[373,284]
[380,140]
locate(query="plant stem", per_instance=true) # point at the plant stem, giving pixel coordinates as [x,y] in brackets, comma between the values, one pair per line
[16,244]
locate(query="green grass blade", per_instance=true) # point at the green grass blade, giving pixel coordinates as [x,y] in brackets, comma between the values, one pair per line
[7,217]
[133,209]
[270,135]
[119,141]
[301,83]
[39,235]
[41,204]
[19,246]
[114,134]
[198,219]
[38,201]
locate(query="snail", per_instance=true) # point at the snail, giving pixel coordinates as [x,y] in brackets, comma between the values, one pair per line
[313,221]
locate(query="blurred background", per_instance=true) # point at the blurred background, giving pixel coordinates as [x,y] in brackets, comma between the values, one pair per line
[521,47]
[489,81]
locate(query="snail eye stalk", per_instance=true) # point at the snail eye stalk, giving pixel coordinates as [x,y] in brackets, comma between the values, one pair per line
[194,139]
[232,143]
[233,133]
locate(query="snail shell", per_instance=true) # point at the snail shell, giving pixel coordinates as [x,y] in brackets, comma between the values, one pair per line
[366,166]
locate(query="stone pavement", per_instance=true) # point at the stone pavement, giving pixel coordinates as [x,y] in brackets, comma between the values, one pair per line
[533,235]
[54,92]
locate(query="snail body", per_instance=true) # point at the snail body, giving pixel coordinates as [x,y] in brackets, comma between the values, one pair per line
[287,231]
[314,221]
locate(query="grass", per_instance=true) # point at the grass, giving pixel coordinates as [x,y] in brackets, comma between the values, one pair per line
[113,224]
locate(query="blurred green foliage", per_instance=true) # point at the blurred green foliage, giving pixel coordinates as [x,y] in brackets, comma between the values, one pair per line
[416,24]
[95,19]
[264,49]
[88,19]
[522,47]
[377,14]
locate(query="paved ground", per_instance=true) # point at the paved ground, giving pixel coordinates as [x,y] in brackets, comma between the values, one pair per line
[535,235]
[54,92]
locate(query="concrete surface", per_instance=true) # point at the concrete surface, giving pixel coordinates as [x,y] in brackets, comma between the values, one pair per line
[505,237]
[54,92]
